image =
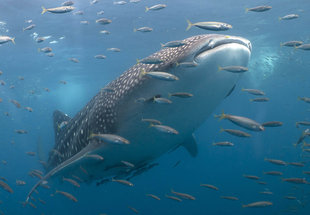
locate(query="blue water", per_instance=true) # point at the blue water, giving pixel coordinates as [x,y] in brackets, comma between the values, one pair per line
[281,72]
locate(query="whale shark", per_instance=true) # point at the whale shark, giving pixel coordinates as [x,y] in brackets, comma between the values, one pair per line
[120,107]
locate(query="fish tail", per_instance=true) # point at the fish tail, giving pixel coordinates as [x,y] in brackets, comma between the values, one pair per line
[297,125]
[299,98]
[222,130]
[39,49]
[134,30]
[189,25]
[138,61]
[177,64]
[43,10]
[280,18]
[13,40]
[143,72]
[281,44]
[246,10]
[251,100]
[222,116]
[214,144]
[162,45]
[169,95]
[244,206]
[242,89]
[220,69]
[304,144]
[147,9]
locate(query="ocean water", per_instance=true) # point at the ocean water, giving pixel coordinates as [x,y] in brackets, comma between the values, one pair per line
[281,72]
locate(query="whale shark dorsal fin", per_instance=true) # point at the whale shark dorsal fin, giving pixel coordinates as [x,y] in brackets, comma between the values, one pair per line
[58,118]
[190,145]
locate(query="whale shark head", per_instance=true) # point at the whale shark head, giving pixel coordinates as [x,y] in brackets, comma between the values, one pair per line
[123,104]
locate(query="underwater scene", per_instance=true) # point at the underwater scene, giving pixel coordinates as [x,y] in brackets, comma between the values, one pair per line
[112,107]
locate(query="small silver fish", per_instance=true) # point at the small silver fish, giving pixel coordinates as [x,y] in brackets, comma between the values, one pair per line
[62,9]
[5,39]
[67,3]
[186,65]
[289,17]
[234,69]
[213,26]
[242,122]
[110,138]
[105,32]
[305,47]
[95,156]
[258,204]
[181,95]
[235,132]
[152,121]
[29,27]
[100,56]
[165,129]
[225,143]
[254,92]
[292,43]
[173,44]
[262,99]
[113,49]
[161,100]
[143,29]
[128,164]
[103,21]
[272,124]
[160,75]
[155,7]
[128,183]
[259,8]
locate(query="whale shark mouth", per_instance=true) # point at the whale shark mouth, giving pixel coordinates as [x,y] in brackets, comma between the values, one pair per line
[223,41]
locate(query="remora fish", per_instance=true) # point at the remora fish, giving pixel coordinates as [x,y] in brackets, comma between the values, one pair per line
[117,112]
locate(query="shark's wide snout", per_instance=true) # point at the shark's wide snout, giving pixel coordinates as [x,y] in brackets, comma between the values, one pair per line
[225,50]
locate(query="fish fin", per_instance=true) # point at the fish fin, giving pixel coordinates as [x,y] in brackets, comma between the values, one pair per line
[43,10]
[147,9]
[230,91]
[142,73]
[190,145]
[189,25]
[13,40]
[59,117]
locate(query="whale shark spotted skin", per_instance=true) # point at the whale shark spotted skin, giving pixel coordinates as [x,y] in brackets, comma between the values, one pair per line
[118,110]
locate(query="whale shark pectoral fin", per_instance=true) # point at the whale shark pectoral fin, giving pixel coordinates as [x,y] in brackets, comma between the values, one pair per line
[190,145]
